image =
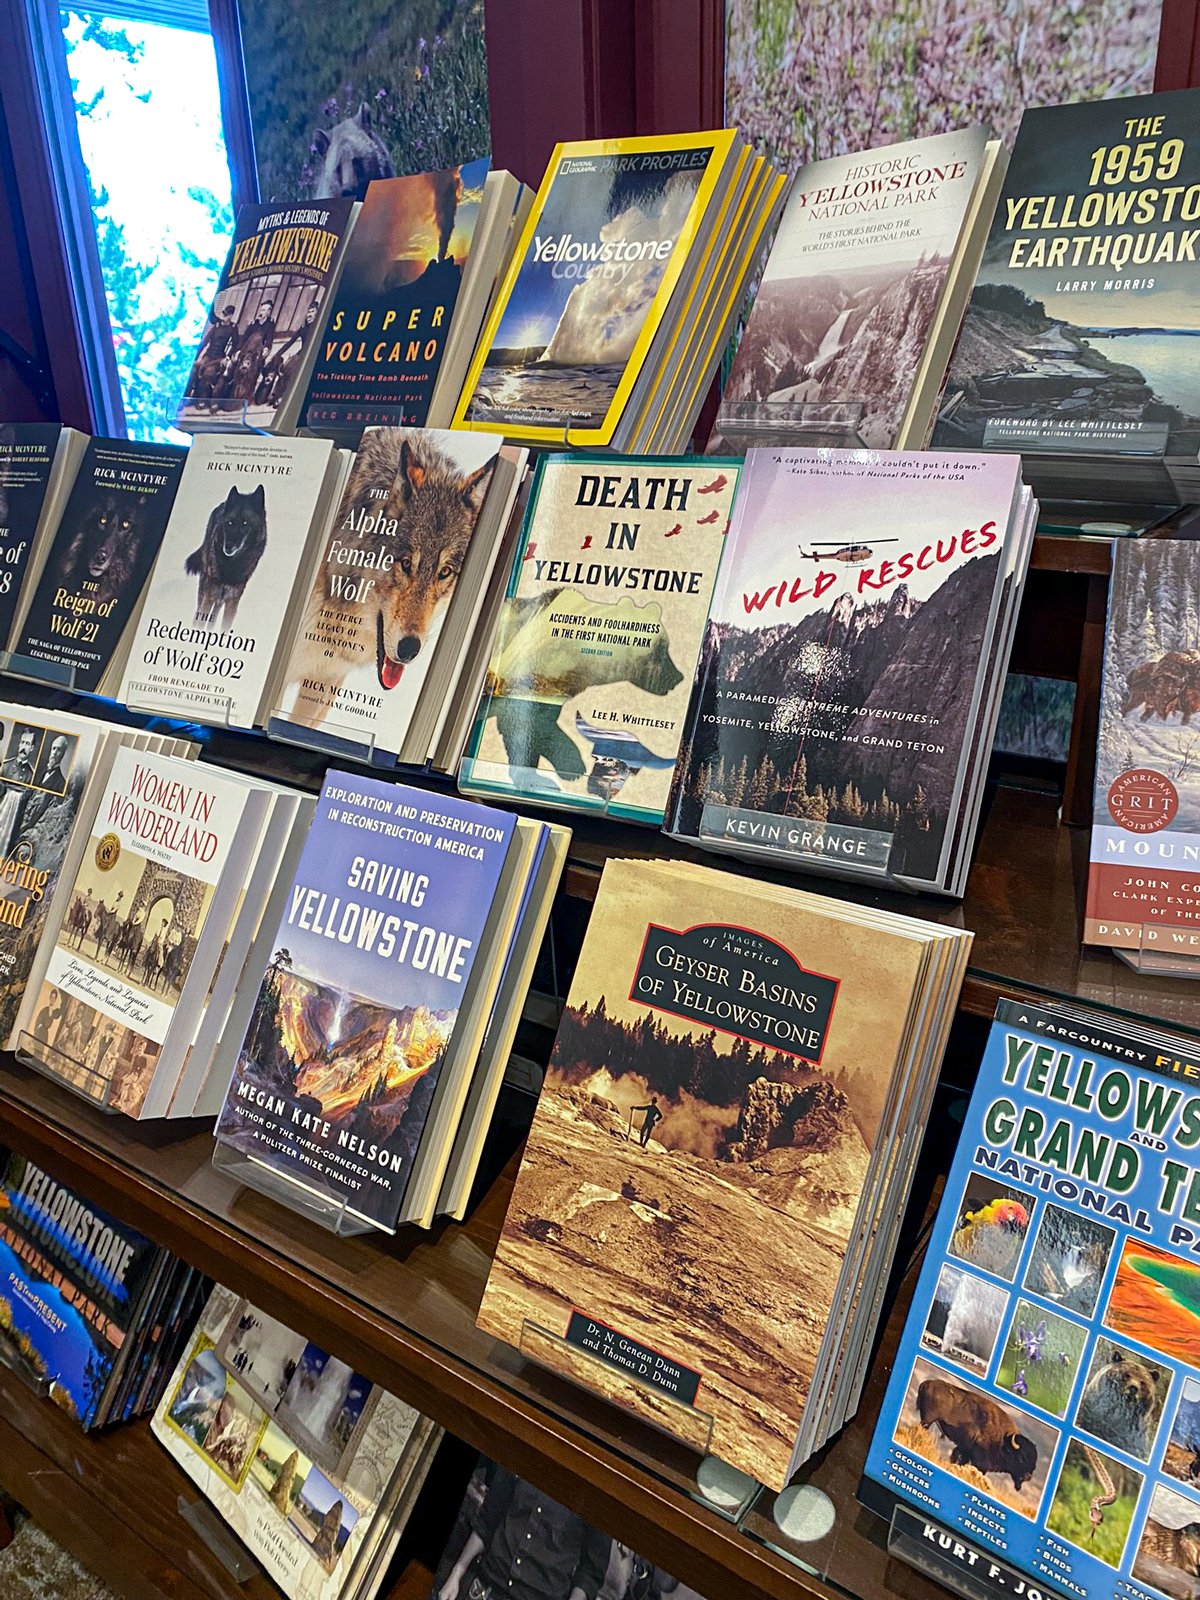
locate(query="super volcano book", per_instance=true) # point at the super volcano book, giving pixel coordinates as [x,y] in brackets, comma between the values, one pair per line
[1079,343]
[102,553]
[1044,1404]
[600,629]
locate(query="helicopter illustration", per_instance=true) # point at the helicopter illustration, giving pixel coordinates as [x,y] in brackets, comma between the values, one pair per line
[852,554]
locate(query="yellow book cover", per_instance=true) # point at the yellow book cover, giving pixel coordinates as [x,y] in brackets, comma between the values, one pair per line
[600,258]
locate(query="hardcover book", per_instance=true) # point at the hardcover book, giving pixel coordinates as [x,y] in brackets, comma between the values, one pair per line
[75,1281]
[373,965]
[596,647]
[1080,337]
[385,331]
[1042,1420]
[850,297]
[1143,896]
[217,600]
[30,454]
[832,717]
[260,340]
[95,570]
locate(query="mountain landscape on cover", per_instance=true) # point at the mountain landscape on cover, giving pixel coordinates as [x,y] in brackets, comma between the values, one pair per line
[756,741]
[854,337]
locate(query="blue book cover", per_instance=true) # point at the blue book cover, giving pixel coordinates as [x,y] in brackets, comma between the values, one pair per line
[1043,1417]
[73,1283]
[355,1015]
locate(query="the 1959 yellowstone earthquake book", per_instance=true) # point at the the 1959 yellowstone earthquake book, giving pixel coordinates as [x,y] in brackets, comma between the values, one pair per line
[719,1156]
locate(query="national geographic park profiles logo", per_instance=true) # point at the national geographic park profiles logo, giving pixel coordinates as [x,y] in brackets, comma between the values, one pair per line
[108,852]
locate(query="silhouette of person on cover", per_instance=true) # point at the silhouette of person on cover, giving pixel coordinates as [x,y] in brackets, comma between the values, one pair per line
[650,1121]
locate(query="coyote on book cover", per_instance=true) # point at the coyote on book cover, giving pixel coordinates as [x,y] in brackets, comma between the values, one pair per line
[696,1162]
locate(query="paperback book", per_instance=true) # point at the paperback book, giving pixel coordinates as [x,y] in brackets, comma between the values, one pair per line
[1042,1422]
[600,629]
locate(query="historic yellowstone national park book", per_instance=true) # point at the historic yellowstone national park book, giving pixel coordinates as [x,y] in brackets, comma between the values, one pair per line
[1044,1405]
[719,1156]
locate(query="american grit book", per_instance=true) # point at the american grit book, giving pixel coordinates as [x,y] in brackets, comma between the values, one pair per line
[1079,343]
[1039,1429]
[851,670]
[313,1467]
[1143,898]
[252,365]
[97,565]
[860,300]
[241,538]
[598,636]
[720,1154]
[38,461]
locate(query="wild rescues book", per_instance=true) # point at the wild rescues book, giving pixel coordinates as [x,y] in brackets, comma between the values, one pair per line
[1080,337]
[1042,1421]
[372,966]
[850,296]
[385,330]
[598,636]
[1144,878]
[840,675]
[73,1284]
[107,538]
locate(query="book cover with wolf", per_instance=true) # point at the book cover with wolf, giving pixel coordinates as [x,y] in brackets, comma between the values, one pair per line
[372,961]
[1045,1399]
[851,290]
[1081,331]
[1144,873]
[216,601]
[395,550]
[838,674]
[97,566]
[692,1180]
[74,1280]
[27,460]
[385,331]
[162,836]
[589,285]
[598,636]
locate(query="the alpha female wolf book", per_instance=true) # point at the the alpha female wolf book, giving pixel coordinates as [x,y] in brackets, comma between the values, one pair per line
[861,297]
[241,535]
[120,983]
[38,461]
[597,642]
[1045,1401]
[1079,343]
[419,521]
[720,1153]
[848,658]
[1143,894]
[314,1467]
[74,1285]
[259,343]
[597,287]
[97,565]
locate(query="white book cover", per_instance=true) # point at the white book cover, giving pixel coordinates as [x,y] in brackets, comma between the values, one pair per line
[229,560]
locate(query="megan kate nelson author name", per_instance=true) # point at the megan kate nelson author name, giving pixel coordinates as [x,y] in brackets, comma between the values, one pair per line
[309,1122]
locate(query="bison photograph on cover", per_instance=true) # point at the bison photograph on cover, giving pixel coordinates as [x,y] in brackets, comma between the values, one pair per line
[689,1190]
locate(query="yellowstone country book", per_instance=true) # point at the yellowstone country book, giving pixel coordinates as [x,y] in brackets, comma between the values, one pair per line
[724,1117]
[1079,343]
[862,284]
[38,460]
[74,1283]
[240,538]
[598,637]
[260,340]
[1144,876]
[596,287]
[1044,1404]
[102,553]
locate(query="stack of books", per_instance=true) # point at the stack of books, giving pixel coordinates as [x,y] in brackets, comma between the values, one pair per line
[92,1314]
[710,1195]
[313,1467]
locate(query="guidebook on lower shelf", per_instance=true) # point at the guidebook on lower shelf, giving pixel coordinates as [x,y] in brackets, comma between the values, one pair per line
[1042,1422]
[314,1467]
